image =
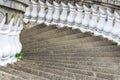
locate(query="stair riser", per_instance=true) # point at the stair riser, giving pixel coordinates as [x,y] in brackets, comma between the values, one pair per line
[41,73]
[89,44]
[50,35]
[38,29]
[73,63]
[51,29]
[59,38]
[72,50]
[77,59]
[19,73]
[75,41]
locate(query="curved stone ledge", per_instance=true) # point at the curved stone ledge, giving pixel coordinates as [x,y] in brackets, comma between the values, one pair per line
[14,5]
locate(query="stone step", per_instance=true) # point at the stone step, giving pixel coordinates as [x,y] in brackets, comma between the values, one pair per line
[22,74]
[75,54]
[51,34]
[7,76]
[70,42]
[81,69]
[55,38]
[67,46]
[39,32]
[82,49]
[75,59]
[34,30]
[31,29]
[40,72]
[69,37]
[74,63]
[56,71]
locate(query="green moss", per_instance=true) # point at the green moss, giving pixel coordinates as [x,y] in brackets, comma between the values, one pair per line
[114,43]
[19,56]
[13,16]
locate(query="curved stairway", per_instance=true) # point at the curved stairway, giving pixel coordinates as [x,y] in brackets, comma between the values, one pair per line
[51,53]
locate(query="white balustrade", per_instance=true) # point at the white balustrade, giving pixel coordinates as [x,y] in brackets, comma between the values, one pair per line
[71,16]
[42,13]
[63,16]
[49,15]
[79,16]
[86,19]
[99,22]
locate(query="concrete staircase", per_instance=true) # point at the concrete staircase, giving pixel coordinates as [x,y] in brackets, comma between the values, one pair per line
[51,53]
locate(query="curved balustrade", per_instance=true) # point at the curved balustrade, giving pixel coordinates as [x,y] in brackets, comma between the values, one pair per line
[95,19]
[9,41]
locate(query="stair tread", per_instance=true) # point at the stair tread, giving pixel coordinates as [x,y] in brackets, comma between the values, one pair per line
[8,76]
[58,68]
[38,72]
[83,49]
[21,73]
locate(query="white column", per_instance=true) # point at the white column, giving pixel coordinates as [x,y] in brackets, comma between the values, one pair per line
[17,40]
[63,16]
[27,16]
[56,14]
[93,21]
[79,16]
[49,15]
[42,13]
[109,25]
[12,41]
[101,22]
[86,19]
[1,51]
[71,16]
[34,12]
[115,34]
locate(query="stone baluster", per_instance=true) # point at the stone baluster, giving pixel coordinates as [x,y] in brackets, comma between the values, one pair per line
[49,14]
[42,13]
[109,25]
[115,34]
[101,22]
[1,51]
[64,14]
[93,21]
[79,16]
[86,19]
[12,41]
[71,16]
[56,14]
[17,40]
[34,12]
[27,15]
